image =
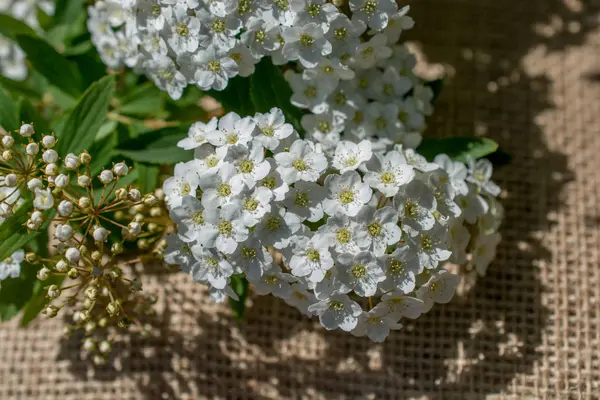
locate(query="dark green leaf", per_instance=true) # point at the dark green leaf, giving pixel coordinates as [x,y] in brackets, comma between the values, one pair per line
[67,11]
[91,63]
[29,114]
[103,152]
[48,62]
[11,27]
[239,284]
[13,233]
[157,147]
[21,88]
[84,121]
[270,89]
[458,148]
[9,114]
[147,176]
[144,100]
[235,96]
[16,292]
[499,158]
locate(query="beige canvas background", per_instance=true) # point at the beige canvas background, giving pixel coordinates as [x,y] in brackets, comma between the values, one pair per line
[524,72]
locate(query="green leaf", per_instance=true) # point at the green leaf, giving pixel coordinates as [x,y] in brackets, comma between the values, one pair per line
[239,284]
[144,100]
[16,292]
[13,233]
[9,114]
[458,148]
[21,88]
[103,152]
[147,176]
[87,117]
[268,89]
[67,11]
[37,301]
[51,64]
[11,27]
[157,147]
[235,96]
[29,114]
[436,86]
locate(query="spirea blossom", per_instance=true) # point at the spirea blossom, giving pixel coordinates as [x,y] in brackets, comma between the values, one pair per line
[359,237]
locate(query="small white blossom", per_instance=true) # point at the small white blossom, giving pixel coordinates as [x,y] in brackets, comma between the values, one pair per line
[438,289]
[347,194]
[337,312]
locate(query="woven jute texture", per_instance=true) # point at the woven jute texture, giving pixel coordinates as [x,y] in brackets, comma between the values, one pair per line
[524,72]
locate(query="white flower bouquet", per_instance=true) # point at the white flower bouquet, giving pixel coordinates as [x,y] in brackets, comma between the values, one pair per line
[309,179]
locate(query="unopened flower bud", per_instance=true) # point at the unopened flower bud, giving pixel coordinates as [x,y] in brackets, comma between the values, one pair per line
[116,248]
[121,169]
[134,228]
[48,141]
[135,195]
[71,161]
[85,157]
[90,326]
[61,181]
[50,156]
[63,232]
[73,273]
[73,255]
[84,203]
[96,256]
[26,130]
[83,181]
[51,311]
[7,155]
[84,315]
[43,274]
[89,344]
[54,292]
[37,217]
[91,292]
[32,149]
[152,227]
[51,169]
[34,183]
[31,257]
[121,194]
[113,308]
[99,359]
[103,322]
[100,234]
[150,200]
[10,180]
[104,346]
[65,208]
[106,176]
[62,266]
[8,141]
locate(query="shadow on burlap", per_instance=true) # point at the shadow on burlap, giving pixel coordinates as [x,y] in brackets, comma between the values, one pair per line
[522,72]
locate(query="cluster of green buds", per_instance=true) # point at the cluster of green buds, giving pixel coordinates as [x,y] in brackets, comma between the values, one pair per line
[99,230]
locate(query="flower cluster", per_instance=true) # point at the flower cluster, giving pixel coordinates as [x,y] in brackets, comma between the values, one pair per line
[93,222]
[207,43]
[12,58]
[356,236]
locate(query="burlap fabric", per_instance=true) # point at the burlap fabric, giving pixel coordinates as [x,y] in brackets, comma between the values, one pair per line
[526,73]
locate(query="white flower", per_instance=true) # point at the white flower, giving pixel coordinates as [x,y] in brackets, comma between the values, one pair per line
[194,221]
[416,203]
[398,305]
[347,194]
[311,258]
[163,71]
[369,53]
[273,281]
[438,289]
[337,312]
[344,35]
[210,267]
[301,298]
[397,24]
[233,130]
[230,230]
[309,93]
[251,258]
[324,128]
[304,200]
[431,245]
[484,251]
[255,205]
[11,266]
[457,172]
[401,268]
[376,325]
[444,193]
[244,59]
[219,188]
[178,252]
[261,36]
[387,172]
[274,183]
[480,173]
[183,183]
[214,69]
[306,44]
[274,230]
[417,161]
[342,233]
[360,272]
[379,229]
[302,162]
[472,205]
[250,163]
[390,86]
[272,128]
[374,13]
[218,31]
[197,134]
[43,199]
[184,29]
[349,156]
